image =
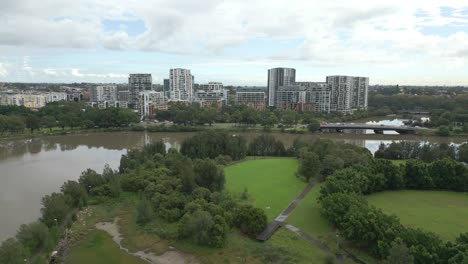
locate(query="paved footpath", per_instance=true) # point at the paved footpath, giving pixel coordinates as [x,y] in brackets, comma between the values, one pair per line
[280,221]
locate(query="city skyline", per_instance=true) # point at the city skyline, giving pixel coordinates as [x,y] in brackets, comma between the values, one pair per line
[406,43]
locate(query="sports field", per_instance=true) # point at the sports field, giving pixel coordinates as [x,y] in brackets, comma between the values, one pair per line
[271,183]
[445,213]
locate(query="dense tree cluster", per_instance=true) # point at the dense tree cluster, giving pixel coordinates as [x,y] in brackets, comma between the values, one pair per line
[343,205]
[14,119]
[242,115]
[415,150]
[323,157]
[266,145]
[210,144]
[188,192]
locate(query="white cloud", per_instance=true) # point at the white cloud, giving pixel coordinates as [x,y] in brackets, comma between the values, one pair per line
[345,34]
[3,70]
[78,73]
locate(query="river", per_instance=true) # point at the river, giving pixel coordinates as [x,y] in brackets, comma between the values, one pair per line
[32,168]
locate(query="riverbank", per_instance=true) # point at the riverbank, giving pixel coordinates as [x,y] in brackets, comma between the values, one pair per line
[422,135]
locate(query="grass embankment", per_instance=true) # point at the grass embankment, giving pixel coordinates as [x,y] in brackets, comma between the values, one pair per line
[271,183]
[98,247]
[444,213]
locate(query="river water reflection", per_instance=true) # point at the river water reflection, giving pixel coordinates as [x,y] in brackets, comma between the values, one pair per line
[32,168]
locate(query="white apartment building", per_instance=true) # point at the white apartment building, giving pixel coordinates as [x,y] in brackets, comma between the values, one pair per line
[180,85]
[211,97]
[150,101]
[55,97]
[348,93]
[103,93]
[304,96]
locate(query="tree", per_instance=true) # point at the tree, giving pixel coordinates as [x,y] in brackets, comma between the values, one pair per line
[250,220]
[309,165]
[198,226]
[33,236]
[399,254]
[144,211]
[266,145]
[314,125]
[49,122]
[90,179]
[443,131]
[463,152]
[75,193]
[209,175]
[154,148]
[33,122]
[13,252]
[268,119]
[330,164]
[54,210]
[289,117]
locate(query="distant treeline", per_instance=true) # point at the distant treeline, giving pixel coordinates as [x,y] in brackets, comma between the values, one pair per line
[446,110]
[427,152]
[14,119]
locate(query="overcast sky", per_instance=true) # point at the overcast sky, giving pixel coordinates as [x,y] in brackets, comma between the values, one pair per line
[234,41]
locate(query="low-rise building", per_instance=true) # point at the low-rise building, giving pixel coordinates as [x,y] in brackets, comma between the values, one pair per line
[109,104]
[151,101]
[211,86]
[33,101]
[304,96]
[55,97]
[209,98]
[103,93]
[252,97]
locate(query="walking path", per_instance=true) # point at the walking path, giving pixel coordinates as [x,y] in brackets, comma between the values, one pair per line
[280,221]
[273,226]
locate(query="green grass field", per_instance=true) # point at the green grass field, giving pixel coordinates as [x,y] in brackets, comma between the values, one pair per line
[307,216]
[98,247]
[297,246]
[399,162]
[271,183]
[445,213]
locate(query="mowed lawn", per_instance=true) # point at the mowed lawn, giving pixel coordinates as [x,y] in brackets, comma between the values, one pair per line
[445,213]
[271,183]
[307,216]
[97,248]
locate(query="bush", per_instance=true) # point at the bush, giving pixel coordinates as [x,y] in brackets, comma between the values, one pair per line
[13,252]
[443,131]
[33,236]
[144,211]
[250,220]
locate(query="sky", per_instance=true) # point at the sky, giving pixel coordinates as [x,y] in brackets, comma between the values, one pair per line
[413,42]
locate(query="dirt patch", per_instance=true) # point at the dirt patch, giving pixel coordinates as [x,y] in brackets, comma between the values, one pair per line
[169,257]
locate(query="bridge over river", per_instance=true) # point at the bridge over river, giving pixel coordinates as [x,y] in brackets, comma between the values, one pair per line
[378,129]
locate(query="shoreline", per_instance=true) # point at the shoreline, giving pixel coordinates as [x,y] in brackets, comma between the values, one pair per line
[331,135]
